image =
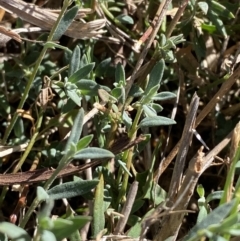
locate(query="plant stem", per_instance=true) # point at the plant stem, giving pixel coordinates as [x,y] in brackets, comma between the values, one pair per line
[128,155]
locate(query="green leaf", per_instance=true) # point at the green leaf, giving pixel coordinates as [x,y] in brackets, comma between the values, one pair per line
[199,46]
[136,91]
[148,95]
[63,228]
[47,236]
[156,107]
[217,22]
[203,6]
[73,95]
[149,111]
[123,165]
[217,195]
[215,217]
[65,22]
[72,189]
[75,61]
[81,73]
[76,130]
[41,194]
[220,10]
[120,74]
[200,190]
[98,209]
[88,87]
[125,19]
[156,75]
[156,121]
[13,232]
[84,142]
[102,68]
[165,95]
[93,153]
[127,120]
[119,94]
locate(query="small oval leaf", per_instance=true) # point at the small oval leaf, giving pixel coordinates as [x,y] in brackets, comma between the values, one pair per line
[13,232]
[72,189]
[165,95]
[65,22]
[81,73]
[93,153]
[125,19]
[84,142]
[156,75]
[75,61]
[149,111]
[156,121]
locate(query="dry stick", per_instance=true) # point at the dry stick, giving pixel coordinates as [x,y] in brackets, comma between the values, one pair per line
[183,149]
[216,98]
[127,208]
[196,167]
[159,15]
[177,16]
[44,174]
[45,19]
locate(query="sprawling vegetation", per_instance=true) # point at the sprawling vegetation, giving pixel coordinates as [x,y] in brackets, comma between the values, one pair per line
[120,119]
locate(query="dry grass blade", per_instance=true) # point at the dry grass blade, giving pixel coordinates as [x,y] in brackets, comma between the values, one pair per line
[226,86]
[196,167]
[45,19]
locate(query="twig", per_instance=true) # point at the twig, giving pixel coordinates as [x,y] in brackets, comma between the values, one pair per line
[177,16]
[216,98]
[127,208]
[183,149]
[196,167]
[159,15]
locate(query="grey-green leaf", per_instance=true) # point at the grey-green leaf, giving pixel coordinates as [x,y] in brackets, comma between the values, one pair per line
[215,217]
[203,6]
[72,189]
[13,232]
[76,130]
[73,95]
[156,75]
[47,236]
[63,228]
[125,19]
[81,73]
[65,22]
[84,142]
[75,61]
[98,209]
[120,74]
[149,111]
[156,121]
[165,95]
[93,153]
[41,194]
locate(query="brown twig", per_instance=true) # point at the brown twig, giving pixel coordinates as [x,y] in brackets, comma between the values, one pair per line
[216,98]
[44,174]
[127,208]
[159,18]
[182,6]
[196,167]
[183,149]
